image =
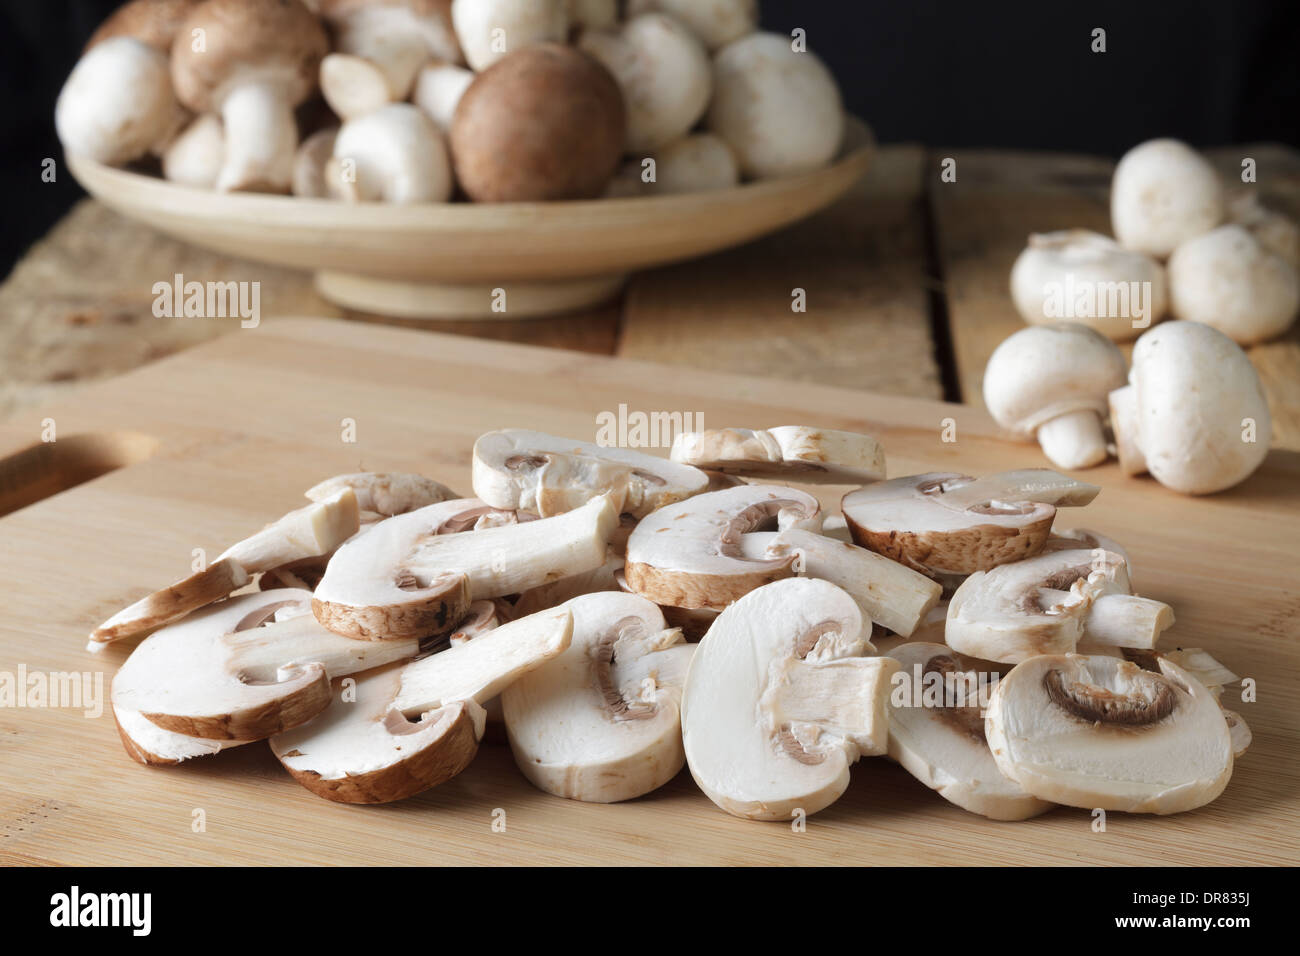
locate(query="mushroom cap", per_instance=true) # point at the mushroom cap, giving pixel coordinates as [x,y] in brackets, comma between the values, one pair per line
[1228,280]
[779,111]
[663,72]
[490,30]
[793,452]
[716,22]
[1193,388]
[400,156]
[1046,371]
[691,554]
[280,42]
[698,162]
[1079,259]
[545,122]
[340,9]
[1164,193]
[943,744]
[602,722]
[1101,732]
[1276,232]
[153,22]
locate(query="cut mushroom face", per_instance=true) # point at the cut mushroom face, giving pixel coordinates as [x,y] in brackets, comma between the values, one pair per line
[1051,382]
[691,554]
[602,722]
[235,672]
[948,524]
[549,475]
[1098,732]
[404,578]
[794,452]
[386,494]
[779,701]
[1047,604]
[411,728]
[888,593]
[936,732]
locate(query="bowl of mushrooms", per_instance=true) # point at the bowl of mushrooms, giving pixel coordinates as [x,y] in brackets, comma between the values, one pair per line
[457,158]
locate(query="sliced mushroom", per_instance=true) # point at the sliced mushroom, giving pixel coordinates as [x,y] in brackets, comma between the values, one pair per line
[1047,604]
[147,743]
[944,524]
[1098,732]
[311,531]
[602,722]
[889,593]
[234,672]
[535,472]
[603,578]
[779,701]
[794,452]
[218,580]
[403,578]
[941,742]
[691,554]
[413,727]
[385,493]
[1078,539]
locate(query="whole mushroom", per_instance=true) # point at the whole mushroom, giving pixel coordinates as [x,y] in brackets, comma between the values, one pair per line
[194,157]
[1089,278]
[716,22]
[153,22]
[489,30]
[1229,280]
[1276,232]
[778,109]
[1052,382]
[393,155]
[695,163]
[252,61]
[546,122]
[1194,413]
[1164,193]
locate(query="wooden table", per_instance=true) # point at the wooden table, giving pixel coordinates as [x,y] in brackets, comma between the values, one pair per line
[906,285]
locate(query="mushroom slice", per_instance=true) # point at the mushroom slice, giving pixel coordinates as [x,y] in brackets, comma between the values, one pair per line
[602,722]
[888,593]
[1076,539]
[1047,604]
[307,532]
[795,452]
[942,523]
[1238,731]
[235,672]
[403,578]
[548,475]
[1100,732]
[691,554]
[939,737]
[779,701]
[414,727]
[147,743]
[218,580]
[1200,664]
[385,493]
[603,578]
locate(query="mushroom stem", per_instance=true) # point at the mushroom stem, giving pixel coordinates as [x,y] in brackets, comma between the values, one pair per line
[1123,620]
[261,139]
[845,700]
[1074,440]
[1123,420]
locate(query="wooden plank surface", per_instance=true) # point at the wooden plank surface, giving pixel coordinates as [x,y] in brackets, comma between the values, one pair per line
[981,222]
[225,436]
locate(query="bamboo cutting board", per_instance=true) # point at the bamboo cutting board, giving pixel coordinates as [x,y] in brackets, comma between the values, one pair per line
[203,448]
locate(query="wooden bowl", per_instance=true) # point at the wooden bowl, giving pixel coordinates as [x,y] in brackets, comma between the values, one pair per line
[452,260]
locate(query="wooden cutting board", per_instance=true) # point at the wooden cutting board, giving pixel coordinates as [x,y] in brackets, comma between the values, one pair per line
[205,447]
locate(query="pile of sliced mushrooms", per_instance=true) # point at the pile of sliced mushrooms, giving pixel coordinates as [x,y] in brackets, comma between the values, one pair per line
[621,615]
[424,101]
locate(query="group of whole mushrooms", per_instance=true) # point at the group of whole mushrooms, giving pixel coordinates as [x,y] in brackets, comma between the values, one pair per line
[419,101]
[622,615]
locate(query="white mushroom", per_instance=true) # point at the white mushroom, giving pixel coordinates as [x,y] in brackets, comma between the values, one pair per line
[936,732]
[949,524]
[794,452]
[379,47]
[696,163]
[532,471]
[1046,605]
[1051,382]
[1097,732]
[413,727]
[438,90]
[1194,413]
[404,578]
[117,104]
[691,554]
[716,22]
[393,155]
[1088,278]
[311,165]
[779,701]
[602,722]
[778,109]
[1229,280]
[664,73]
[489,29]
[194,157]
[1275,231]
[385,493]
[1164,193]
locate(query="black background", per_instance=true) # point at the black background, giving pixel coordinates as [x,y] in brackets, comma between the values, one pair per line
[1016,74]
